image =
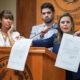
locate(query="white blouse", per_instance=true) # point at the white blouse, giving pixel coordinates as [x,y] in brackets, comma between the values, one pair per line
[15,36]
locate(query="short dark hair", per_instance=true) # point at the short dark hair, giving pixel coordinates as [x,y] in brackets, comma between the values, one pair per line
[6,14]
[47,5]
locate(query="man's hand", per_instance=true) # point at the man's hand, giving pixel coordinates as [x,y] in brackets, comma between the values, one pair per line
[45,30]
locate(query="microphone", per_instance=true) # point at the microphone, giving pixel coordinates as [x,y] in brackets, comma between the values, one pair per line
[35,35]
[42,33]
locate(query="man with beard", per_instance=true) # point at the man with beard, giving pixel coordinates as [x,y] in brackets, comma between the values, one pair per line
[48,27]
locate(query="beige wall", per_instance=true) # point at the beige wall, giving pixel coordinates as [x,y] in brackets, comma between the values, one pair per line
[11,5]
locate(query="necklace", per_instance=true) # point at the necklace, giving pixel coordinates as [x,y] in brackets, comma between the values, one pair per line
[5,36]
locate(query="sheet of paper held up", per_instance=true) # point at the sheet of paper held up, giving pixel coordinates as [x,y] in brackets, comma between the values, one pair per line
[19,53]
[69,53]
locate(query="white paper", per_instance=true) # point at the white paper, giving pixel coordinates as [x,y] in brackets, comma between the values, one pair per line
[19,54]
[69,53]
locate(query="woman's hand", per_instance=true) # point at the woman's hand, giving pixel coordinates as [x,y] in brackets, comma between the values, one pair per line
[77,33]
[10,30]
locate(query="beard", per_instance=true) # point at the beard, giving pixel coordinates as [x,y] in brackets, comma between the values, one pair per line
[47,20]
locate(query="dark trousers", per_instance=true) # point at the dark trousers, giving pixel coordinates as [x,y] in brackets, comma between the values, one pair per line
[69,75]
[72,76]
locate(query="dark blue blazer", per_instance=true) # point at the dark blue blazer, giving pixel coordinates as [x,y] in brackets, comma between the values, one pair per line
[49,42]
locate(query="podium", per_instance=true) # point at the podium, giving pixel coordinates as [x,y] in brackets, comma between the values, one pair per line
[39,66]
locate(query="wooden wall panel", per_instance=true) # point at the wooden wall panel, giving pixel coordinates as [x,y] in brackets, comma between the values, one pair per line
[26,16]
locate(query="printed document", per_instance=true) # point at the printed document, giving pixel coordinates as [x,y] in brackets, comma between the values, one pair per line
[19,54]
[69,53]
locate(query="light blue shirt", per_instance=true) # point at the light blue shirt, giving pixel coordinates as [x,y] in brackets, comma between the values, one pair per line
[38,28]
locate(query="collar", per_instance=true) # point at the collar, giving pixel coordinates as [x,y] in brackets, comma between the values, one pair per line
[54,25]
